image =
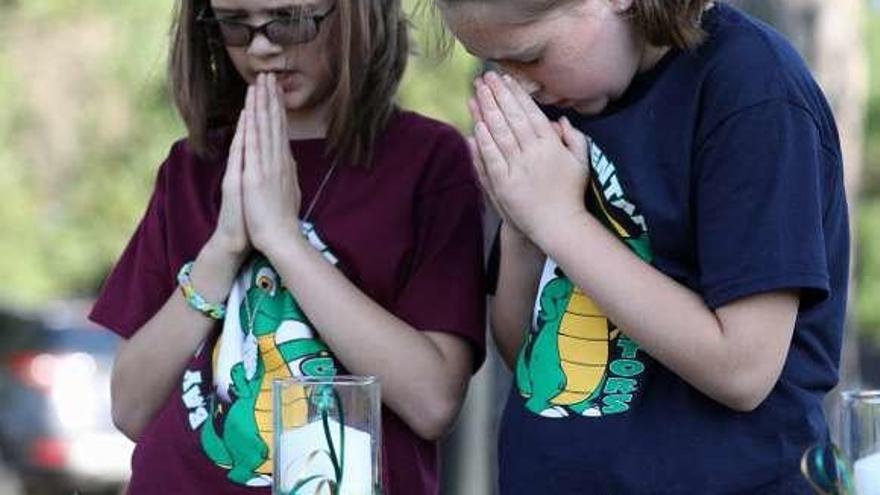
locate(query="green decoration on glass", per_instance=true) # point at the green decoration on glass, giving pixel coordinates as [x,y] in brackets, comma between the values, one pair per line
[327,436]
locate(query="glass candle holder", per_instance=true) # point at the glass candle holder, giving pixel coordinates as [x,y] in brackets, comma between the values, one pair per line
[860,432]
[327,436]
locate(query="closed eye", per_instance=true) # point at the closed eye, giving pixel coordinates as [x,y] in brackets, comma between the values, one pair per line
[528,61]
[287,19]
[523,61]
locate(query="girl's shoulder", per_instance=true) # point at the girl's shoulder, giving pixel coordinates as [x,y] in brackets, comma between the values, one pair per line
[745,63]
[184,164]
[742,50]
[183,152]
[411,125]
[424,147]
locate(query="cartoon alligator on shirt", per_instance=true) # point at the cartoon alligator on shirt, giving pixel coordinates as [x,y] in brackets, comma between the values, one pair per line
[563,364]
[286,348]
[575,335]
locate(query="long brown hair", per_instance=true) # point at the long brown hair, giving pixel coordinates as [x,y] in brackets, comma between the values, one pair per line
[673,23]
[369,59]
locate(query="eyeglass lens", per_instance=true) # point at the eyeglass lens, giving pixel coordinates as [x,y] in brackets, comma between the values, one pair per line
[278,31]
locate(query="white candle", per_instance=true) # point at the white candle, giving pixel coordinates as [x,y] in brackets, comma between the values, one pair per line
[298,445]
[867,474]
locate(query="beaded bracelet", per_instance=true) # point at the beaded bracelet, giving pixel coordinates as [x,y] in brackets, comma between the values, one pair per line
[194,299]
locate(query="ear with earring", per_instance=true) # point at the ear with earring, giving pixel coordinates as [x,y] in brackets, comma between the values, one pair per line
[211,39]
[212,62]
[215,50]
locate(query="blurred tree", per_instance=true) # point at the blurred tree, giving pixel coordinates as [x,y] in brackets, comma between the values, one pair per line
[86,121]
[869,253]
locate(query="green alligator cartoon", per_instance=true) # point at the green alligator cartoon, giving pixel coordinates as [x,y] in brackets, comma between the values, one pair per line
[243,444]
[563,364]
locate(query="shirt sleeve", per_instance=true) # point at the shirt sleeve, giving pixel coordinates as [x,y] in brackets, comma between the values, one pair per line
[141,281]
[760,183]
[444,289]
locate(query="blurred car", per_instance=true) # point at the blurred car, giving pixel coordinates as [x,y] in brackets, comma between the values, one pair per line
[56,431]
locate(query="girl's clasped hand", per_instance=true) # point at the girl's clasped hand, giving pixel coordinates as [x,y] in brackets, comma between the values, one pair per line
[533,170]
[261,193]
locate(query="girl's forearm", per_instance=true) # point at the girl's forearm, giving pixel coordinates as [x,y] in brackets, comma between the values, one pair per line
[734,354]
[519,273]
[150,364]
[423,378]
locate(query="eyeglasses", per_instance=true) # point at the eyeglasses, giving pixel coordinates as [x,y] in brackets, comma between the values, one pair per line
[286,30]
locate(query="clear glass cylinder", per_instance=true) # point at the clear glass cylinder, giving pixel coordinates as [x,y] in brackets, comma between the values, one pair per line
[327,435]
[860,434]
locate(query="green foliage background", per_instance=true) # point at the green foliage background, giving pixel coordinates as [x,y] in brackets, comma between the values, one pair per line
[85,120]
[868,262]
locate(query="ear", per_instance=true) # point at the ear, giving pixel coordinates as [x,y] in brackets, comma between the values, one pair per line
[621,6]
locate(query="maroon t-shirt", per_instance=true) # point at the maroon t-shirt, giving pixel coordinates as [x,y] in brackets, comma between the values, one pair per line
[407,232]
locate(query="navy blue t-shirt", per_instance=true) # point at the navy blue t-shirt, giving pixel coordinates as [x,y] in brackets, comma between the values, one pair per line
[722,168]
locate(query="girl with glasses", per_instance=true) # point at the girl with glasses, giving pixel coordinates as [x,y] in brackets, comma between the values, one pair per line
[306,226]
[671,291]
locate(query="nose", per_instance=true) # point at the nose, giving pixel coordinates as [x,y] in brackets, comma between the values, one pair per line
[261,46]
[530,85]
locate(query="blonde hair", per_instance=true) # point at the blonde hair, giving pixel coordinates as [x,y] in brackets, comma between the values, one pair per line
[369,60]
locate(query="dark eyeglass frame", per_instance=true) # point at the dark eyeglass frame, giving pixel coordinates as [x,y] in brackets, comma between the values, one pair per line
[305,22]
